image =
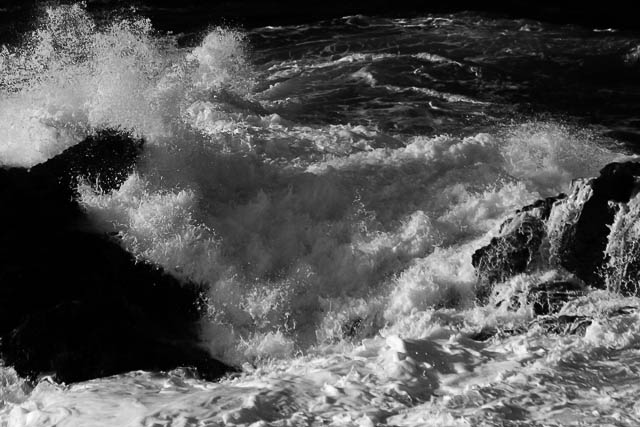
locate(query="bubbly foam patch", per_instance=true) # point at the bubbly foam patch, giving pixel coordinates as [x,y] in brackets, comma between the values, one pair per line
[433,375]
[72,76]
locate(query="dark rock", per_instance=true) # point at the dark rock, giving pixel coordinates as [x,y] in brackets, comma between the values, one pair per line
[579,247]
[582,246]
[72,301]
[358,328]
[80,340]
[106,158]
[515,248]
[549,297]
[507,255]
[485,334]
[351,328]
[542,207]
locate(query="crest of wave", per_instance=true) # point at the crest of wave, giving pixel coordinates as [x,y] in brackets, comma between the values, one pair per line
[72,76]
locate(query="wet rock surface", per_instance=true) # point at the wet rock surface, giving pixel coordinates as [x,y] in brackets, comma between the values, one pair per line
[515,249]
[523,243]
[581,245]
[550,297]
[72,301]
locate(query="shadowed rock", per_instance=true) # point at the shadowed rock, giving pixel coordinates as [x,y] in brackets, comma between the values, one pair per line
[582,246]
[72,301]
[515,248]
[549,297]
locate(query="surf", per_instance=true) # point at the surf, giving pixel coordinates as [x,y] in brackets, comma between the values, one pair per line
[328,201]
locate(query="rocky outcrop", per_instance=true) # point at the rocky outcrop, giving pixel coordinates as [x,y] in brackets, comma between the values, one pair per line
[72,301]
[549,297]
[515,248]
[582,246]
[571,232]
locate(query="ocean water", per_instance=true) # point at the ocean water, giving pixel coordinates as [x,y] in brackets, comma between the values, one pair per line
[329,183]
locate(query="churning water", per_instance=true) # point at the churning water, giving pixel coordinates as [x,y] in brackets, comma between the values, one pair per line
[329,183]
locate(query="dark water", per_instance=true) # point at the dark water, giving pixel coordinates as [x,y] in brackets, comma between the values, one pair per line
[510,67]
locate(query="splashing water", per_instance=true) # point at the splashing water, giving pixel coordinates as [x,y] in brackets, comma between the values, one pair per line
[72,78]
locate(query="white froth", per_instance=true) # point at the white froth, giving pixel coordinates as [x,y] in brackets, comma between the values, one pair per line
[71,78]
[440,378]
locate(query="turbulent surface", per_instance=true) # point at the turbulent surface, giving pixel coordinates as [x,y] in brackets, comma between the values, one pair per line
[329,184]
